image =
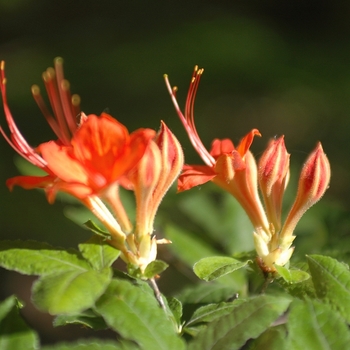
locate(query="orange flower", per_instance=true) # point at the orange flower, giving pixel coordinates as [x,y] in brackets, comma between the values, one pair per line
[232,168]
[87,157]
[90,155]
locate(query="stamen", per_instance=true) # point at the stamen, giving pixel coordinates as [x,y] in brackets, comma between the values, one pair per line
[16,140]
[2,68]
[76,100]
[187,120]
[52,91]
[65,96]
[48,116]
[66,100]
[76,105]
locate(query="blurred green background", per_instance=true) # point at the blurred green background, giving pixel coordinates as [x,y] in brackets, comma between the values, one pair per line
[281,67]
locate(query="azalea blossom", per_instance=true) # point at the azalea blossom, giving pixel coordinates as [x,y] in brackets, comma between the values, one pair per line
[92,157]
[235,170]
[232,168]
[90,154]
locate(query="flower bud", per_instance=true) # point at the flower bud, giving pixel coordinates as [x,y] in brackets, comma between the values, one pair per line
[145,179]
[313,183]
[172,160]
[152,177]
[273,177]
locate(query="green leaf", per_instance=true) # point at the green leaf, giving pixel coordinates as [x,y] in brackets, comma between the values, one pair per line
[98,252]
[136,316]
[272,339]
[313,325]
[14,332]
[292,276]
[154,268]
[186,246]
[248,320]
[302,290]
[97,230]
[332,282]
[175,307]
[35,258]
[87,318]
[194,331]
[92,344]
[214,267]
[211,312]
[70,291]
[205,293]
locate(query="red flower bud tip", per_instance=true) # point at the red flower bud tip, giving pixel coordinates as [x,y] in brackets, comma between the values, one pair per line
[273,179]
[313,183]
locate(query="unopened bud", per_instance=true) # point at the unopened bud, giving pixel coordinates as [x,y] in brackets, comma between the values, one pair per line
[145,179]
[172,160]
[313,183]
[273,176]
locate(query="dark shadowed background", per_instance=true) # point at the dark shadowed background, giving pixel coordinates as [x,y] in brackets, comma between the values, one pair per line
[281,67]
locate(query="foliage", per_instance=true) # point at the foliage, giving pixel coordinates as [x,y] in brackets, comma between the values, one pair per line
[306,305]
[220,295]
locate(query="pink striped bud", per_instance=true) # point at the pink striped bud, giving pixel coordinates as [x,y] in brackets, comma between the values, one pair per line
[313,183]
[273,177]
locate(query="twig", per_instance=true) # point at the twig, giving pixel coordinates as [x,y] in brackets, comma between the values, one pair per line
[268,280]
[157,293]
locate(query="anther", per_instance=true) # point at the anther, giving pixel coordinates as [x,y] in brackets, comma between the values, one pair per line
[76,100]
[35,90]
[58,60]
[65,85]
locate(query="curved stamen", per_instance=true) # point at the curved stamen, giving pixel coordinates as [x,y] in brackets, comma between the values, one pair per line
[65,107]
[188,119]
[16,140]
[44,110]
[51,85]
[65,96]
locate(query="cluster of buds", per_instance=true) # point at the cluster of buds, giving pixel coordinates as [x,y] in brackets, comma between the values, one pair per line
[235,170]
[274,245]
[92,157]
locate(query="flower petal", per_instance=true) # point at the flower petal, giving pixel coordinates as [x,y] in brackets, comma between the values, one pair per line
[194,175]
[247,141]
[30,182]
[63,164]
[219,147]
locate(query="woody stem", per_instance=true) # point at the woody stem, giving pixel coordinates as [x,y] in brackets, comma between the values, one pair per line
[157,293]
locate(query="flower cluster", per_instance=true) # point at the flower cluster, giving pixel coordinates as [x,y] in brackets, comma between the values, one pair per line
[234,169]
[92,157]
